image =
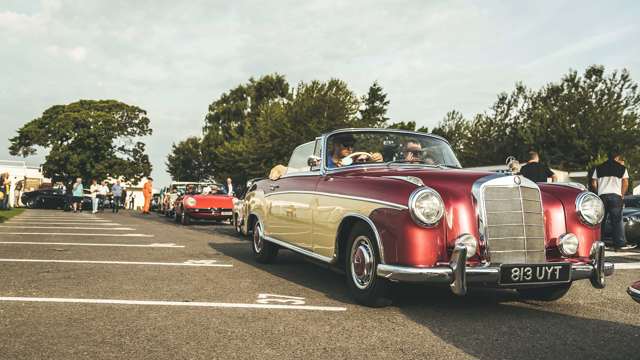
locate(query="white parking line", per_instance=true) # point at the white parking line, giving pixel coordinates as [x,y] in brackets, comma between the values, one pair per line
[64,227]
[156,245]
[60,223]
[614,254]
[174,303]
[627,266]
[75,234]
[192,263]
[61,220]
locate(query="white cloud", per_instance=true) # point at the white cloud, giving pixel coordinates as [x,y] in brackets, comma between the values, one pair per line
[76,54]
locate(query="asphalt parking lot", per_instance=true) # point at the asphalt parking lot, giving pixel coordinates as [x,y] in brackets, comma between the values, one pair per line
[142,287]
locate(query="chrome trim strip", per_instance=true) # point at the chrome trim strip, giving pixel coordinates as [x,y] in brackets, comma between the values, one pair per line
[381,202]
[410,179]
[298,249]
[373,228]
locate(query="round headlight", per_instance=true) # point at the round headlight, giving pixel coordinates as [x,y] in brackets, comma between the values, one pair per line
[568,244]
[190,201]
[426,206]
[590,208]
[468,241]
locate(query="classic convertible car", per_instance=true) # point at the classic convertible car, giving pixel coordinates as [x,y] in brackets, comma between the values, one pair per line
[394,206]
[200,203]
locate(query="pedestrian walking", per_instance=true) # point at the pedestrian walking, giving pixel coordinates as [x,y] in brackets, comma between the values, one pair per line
[116,190]
[535,171]
[611,180]
[78,195]
[94,189]
[147,192]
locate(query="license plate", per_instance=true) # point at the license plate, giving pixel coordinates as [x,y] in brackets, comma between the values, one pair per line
[226,213]
[535,274]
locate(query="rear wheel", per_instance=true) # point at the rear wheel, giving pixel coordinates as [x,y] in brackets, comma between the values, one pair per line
[548,293]
[263,251]
[185,219]
[362,258]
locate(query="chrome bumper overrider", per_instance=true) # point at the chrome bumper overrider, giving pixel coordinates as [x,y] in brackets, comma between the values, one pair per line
[458,275]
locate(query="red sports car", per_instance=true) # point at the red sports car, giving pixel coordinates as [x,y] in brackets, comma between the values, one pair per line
[394,206]
[206,202]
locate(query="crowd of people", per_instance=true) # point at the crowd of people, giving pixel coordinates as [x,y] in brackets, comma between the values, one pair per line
[5,191]
[114,194]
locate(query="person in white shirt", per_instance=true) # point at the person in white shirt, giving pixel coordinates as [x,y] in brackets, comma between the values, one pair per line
[229,189]
[94,189]
[611,180]
[103,190]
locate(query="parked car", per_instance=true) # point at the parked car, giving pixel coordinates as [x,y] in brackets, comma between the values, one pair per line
[630,218]
[240,208]
[171,194]
[199,204]
[394,206]
[45,199]
[634,291]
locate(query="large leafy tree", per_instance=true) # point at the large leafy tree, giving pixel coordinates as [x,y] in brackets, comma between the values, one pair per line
[88,139]
[188,161]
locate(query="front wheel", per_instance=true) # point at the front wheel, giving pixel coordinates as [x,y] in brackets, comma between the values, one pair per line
[361,268]
[548,293]
[263,251]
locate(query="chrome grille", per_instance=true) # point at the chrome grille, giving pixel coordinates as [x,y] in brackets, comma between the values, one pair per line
[513,222]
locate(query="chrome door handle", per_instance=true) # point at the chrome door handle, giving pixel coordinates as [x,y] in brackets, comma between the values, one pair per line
[273,187]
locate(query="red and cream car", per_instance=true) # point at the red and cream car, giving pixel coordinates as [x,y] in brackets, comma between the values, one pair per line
[203,202]
[394,206]
[634,291]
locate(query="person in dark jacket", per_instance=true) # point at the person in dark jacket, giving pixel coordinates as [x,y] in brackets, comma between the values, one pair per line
[535,171]
[611,180]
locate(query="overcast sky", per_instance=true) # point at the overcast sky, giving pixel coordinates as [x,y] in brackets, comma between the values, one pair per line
[173,58]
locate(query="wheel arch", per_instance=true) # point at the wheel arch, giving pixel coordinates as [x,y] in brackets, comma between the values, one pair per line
[344,229]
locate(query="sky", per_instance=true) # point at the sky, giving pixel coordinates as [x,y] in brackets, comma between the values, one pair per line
[174,58]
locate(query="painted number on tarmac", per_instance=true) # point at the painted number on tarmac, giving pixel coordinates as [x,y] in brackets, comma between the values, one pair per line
[279,299]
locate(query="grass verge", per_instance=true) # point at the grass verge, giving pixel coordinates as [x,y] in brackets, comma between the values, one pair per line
[8,214]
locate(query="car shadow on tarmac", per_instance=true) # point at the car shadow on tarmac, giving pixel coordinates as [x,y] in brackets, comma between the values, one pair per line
[496,325]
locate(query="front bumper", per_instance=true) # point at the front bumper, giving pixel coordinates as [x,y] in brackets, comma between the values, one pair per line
[458,275]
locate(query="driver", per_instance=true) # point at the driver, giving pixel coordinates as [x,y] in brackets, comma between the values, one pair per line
[343,148]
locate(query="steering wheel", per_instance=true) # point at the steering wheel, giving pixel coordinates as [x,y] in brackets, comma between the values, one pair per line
[350,158]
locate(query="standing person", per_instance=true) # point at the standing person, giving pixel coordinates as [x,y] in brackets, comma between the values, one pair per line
[116,190]
[4,192]
[230,190]
[611,180]
[103,190]
[17,193]
[78,195]
[535,171]
[94,189]
[147,191]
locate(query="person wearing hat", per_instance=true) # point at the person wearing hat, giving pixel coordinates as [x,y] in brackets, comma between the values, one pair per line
[342,148]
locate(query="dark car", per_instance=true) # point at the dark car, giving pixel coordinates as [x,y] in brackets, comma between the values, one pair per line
[630,218]
[45,199]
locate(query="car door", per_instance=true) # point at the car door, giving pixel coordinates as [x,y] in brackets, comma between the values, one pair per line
[290,200]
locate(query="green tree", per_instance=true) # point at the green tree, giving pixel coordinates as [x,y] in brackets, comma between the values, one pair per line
[188,162]
[457,130]
[375,103]
[88,139]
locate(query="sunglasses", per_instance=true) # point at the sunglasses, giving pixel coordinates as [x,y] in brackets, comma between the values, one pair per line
[347,145]
[415,152]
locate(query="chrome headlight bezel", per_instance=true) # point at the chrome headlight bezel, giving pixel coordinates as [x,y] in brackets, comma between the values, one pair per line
[568,244]
[585,213]
[190,201]
[421,194]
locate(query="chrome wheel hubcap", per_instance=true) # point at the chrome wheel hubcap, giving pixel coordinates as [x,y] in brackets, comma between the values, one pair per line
[257,240]
[362,262]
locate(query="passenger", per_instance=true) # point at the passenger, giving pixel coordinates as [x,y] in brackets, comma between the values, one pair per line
[413,152]
[343,148]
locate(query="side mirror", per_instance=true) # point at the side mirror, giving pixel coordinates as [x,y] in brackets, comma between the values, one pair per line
[313,162]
